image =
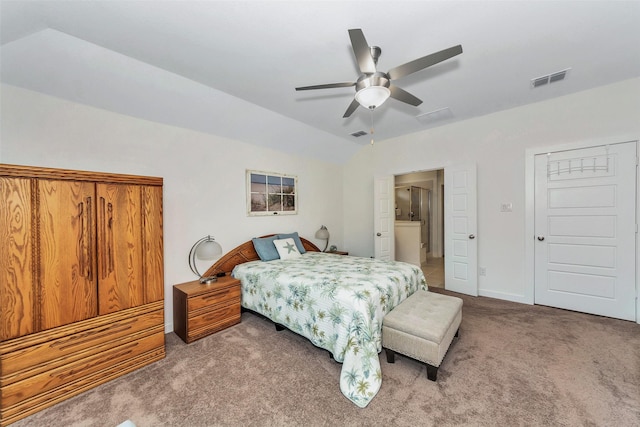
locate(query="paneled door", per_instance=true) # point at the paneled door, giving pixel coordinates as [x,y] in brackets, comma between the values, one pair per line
[585,230]
[384,218]
[17,276]
[153,248]
[120,228]
[68,284]
[460,230]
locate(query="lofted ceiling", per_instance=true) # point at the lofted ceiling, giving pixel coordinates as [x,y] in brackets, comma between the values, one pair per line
[230,67]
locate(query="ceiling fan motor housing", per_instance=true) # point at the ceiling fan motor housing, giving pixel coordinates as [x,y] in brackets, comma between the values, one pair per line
[376,79]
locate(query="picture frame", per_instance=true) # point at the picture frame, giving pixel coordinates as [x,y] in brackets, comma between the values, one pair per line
[271,193]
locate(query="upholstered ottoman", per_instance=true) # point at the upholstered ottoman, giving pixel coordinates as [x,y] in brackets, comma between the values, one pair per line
[422,327]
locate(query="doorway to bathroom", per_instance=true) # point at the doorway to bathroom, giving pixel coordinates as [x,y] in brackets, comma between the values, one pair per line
[419,222]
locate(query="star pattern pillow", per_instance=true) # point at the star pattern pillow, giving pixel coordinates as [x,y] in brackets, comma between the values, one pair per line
[287,248]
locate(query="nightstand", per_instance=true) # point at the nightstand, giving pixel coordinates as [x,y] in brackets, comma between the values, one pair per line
[338,253]
[200,310]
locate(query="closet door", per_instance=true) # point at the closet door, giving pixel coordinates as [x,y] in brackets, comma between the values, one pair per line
[120,249]
[153,244]
[17,297]
[67,285]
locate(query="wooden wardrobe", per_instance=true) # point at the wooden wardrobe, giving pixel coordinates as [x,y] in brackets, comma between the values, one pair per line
[81,282]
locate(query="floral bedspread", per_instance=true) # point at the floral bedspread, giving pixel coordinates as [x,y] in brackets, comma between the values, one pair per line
[338,302]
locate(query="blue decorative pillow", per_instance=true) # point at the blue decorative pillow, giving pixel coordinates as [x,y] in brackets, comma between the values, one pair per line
[265,248]
[296,239]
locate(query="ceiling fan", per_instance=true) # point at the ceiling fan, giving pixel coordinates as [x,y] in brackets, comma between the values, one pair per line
[373,87]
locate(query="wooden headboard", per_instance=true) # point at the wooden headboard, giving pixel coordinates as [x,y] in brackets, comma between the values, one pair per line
[245,253]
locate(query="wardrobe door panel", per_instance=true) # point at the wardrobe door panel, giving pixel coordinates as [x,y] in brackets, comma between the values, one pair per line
[153,246]
[17,317]
[68,287]
[120,253]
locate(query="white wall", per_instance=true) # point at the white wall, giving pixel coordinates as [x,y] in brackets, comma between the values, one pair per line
[46,131]
[497,144]
[204,175]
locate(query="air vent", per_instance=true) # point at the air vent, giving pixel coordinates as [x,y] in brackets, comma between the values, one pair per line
[549,78]
[541,81]
[359,134]
[557,76]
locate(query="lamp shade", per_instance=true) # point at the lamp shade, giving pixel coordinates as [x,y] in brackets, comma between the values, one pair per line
[323,234]
[372,96]
[204,249]
[208,250]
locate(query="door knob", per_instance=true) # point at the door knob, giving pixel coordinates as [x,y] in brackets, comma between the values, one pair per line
[472,236]
[378,234]
[541,238]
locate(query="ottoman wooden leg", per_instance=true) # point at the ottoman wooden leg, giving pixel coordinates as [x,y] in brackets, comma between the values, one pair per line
[391,355]
[432,372]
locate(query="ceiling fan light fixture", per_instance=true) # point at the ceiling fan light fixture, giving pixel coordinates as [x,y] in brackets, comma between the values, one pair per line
[372,96]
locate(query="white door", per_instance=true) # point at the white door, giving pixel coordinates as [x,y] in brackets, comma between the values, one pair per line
[460,229]
[585,230]
[383,218]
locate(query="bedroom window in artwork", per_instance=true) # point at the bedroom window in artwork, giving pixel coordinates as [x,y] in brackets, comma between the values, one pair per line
[271,194]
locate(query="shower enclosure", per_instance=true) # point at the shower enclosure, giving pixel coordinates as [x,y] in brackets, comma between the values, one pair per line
[414,204]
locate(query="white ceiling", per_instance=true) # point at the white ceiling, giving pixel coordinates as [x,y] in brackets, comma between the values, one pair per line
[230,67]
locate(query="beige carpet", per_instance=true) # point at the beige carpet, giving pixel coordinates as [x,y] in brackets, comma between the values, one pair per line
[513,365]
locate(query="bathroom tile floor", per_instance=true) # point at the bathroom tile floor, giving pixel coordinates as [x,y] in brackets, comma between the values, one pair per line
[433,270]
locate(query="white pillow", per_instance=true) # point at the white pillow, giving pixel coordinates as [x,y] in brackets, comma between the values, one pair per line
[287,248]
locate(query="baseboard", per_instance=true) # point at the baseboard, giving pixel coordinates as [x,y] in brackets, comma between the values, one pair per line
[522,299]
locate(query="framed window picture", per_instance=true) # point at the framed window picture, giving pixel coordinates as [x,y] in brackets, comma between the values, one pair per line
[271,194]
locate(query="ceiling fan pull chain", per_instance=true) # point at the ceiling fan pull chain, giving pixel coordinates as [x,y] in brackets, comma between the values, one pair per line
[372,108]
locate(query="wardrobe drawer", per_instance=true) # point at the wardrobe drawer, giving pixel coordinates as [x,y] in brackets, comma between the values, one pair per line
[54,378]
[57,346]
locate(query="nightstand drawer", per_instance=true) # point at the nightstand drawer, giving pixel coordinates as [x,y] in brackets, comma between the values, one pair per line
[210,329]
[211,319]
[220,296]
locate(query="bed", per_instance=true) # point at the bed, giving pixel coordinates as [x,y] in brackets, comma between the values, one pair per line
[337,302]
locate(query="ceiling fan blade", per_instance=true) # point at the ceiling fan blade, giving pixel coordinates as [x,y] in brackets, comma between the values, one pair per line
[424,62]
[327,86]
[352,107]
[404,96]
[362,51]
